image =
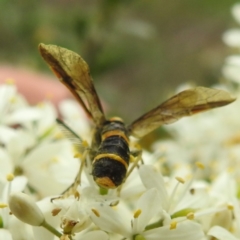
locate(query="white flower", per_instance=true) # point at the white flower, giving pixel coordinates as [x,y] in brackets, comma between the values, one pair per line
[13,108]
[231,68]
[147,209]
[232,38]
[28,137]
[221,233]
[184,231]
[236,12]
[184,198]
[171,200]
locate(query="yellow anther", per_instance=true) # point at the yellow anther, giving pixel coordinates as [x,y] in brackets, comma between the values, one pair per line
[162,159]
[10,81]
[173,225]
[200,165]
[179,179]
[230,169]
[55,159]
[56,211]
[230,207]
[3,205]
[77,195]
[77,155]
[41,105]
[10,177]
[58,135]
[13,100]
[137,213]
[190,216]
[95,211]
[85,144]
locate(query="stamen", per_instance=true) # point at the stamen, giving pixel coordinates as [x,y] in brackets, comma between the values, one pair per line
[189,183]
[95,212]
[10,177]
[173,225]
[85,144]
[179,180]
[77,155]
[190,216]
[230,207]
[59,135]
[77,195]
[12,100]
[55,160]
[3,205]
[56,211]
[200,165]
[137,213]
[67,225]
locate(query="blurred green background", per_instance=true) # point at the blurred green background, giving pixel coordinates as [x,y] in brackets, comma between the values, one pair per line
[138,51]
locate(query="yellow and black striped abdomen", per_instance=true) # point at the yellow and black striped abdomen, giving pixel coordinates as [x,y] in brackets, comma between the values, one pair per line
[112,159]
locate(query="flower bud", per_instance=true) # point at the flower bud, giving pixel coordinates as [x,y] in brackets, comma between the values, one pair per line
[25,209]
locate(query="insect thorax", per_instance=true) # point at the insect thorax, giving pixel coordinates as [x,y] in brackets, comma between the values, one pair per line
[112,158]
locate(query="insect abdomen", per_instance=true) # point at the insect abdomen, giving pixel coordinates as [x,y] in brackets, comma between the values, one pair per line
[112,159]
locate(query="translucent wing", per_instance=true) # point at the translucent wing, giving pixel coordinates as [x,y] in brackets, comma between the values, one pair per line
[74,73]
[183,104]
[76,140]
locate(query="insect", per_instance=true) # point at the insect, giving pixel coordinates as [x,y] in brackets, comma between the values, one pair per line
[110,153]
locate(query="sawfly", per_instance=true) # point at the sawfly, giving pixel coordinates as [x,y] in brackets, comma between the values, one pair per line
[109,152]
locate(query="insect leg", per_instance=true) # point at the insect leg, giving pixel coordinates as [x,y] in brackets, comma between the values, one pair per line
[135,157]
[72,189]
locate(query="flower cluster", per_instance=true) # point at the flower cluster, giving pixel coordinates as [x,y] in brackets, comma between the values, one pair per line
[189,202]
[187,188]
[231,69]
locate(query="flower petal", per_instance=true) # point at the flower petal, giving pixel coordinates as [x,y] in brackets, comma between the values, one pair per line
[221,233]
[151,178]
[149,204]
[231,68]
[185,231]
[232,37]
[110,220]
[23,115]
[236,12]
[99,235]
